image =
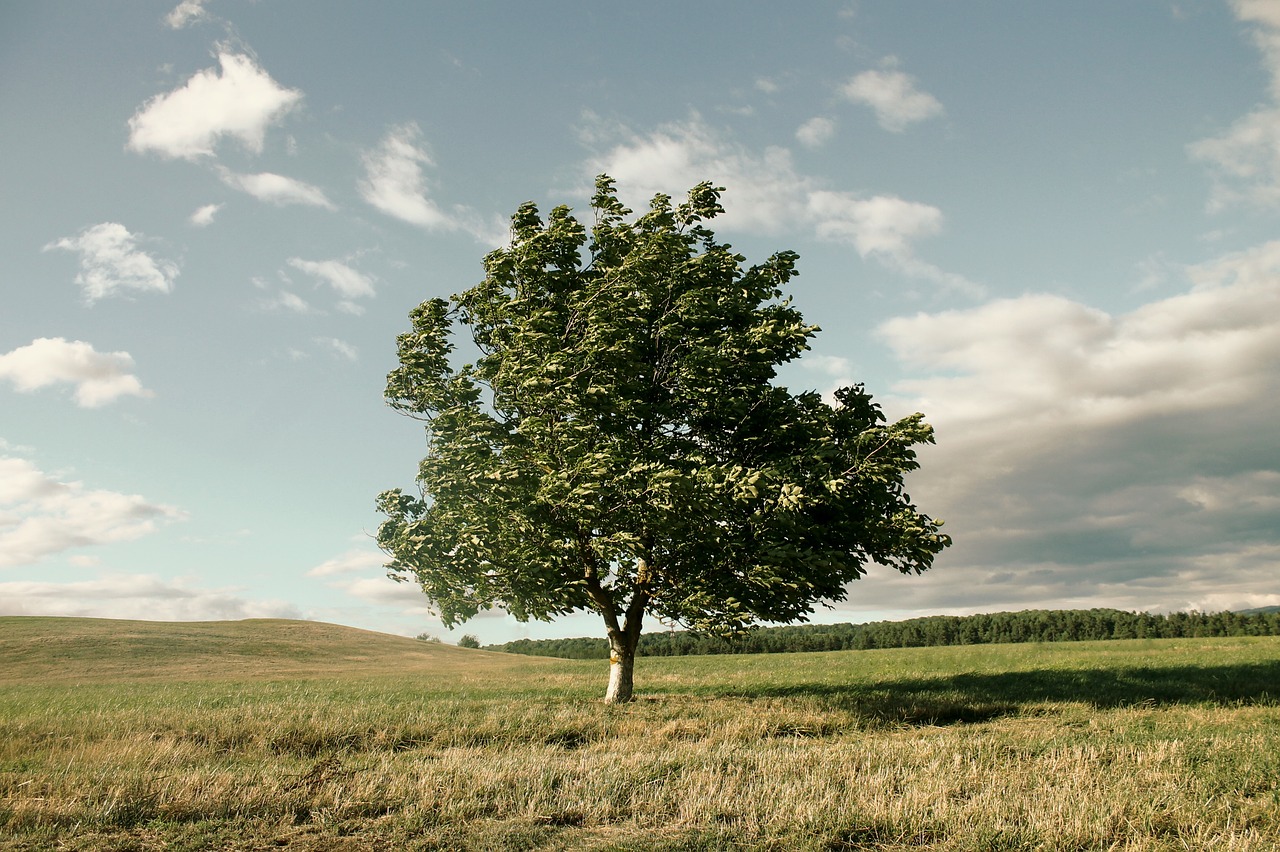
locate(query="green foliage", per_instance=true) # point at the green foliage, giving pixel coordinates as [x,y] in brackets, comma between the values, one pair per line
[468,641]
[930,631]
[620,445]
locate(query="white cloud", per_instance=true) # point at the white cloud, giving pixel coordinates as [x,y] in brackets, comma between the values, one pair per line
[831,365]
[816,132]
[136,596]
[277,189]
[360,573]
[1245,160]
[111,263]
[1093,459]
[203,217]
[766,194]
[353,561]
[885,227]
[99,377]
[883,224]
[41,516]
[340,348]
[241,102]
[286,301]
[894,97]
[186,13]
[836,372]
[395,183]
[345,281]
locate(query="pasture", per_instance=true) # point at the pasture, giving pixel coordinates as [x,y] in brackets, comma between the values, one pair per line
[297,735]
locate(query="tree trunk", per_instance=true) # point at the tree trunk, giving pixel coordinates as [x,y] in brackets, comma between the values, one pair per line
[624,638]
[622,661]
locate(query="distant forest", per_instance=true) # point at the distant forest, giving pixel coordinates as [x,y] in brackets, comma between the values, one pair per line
[992,628]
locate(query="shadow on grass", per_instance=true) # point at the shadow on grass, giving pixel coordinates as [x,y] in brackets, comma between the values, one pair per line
[979,697]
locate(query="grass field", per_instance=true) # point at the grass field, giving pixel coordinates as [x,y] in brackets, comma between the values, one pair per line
[296,735]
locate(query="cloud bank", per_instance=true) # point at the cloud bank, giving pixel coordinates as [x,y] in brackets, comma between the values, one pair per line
[145,597]
[1085,456]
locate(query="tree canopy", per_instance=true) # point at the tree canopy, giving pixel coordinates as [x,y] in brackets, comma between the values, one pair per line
[619,443]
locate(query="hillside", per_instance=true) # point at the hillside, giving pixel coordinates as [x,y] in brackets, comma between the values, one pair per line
[97,649]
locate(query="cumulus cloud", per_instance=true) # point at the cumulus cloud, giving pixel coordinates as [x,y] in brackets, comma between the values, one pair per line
[41,515]
[893,95]
[111,263]
[1092,459]
[1245,159]
[239,101]
[765,193]
[144,597]
[99,377]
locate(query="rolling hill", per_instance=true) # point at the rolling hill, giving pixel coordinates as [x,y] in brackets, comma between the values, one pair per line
[34,648]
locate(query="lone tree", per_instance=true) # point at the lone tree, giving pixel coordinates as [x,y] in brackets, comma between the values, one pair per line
[619,444]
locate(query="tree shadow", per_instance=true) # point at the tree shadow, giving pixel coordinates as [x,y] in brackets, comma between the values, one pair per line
[978,697]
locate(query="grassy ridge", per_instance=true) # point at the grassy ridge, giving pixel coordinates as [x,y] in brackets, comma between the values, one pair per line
[108,650]
[385,743]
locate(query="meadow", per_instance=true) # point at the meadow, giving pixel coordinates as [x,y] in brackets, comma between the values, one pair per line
[297,735]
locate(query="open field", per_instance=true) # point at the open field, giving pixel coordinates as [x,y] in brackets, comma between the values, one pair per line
[275,734]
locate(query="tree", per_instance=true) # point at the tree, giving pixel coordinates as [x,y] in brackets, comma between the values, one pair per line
[619,443]
[468,641]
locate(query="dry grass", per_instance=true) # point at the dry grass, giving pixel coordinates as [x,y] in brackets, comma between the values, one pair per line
[1126,746]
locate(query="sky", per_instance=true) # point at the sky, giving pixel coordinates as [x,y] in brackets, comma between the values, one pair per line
[1051,227]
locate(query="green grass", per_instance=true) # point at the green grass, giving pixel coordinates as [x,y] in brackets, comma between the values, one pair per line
[280,734]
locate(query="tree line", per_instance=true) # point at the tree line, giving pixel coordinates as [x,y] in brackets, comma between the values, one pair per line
[934,630]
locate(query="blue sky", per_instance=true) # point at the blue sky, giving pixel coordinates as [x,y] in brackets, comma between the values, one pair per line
[1052,227]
